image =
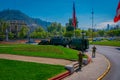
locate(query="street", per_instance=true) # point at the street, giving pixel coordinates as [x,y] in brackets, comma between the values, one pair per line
[113,54]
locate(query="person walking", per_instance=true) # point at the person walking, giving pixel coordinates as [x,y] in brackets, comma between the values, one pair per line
[93,51]
[80,60]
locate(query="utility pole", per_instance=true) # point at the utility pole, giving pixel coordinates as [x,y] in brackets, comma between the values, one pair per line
[92,22]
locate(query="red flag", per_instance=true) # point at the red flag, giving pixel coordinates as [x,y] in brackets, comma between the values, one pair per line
[117,17]
[74,16]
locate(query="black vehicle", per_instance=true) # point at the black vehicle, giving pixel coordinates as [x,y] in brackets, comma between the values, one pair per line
[1,39]
[79,44]
[44,42]
[59,41]
[86,42]
[75,43]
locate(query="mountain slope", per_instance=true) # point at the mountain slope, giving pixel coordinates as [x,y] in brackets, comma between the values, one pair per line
[18,15]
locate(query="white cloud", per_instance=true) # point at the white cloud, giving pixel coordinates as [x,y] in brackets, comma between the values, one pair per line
[104,24]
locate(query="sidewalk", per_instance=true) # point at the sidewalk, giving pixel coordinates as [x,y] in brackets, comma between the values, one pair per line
[35,59]
[92,71]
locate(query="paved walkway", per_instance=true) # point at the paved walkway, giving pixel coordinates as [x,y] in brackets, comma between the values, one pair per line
[92,71]
[36,59]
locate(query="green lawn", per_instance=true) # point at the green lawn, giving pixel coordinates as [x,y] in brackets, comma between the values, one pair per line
[40,50]
[18,70]
[107,43]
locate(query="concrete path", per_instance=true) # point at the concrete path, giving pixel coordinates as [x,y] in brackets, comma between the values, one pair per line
[36,59]
[92,71]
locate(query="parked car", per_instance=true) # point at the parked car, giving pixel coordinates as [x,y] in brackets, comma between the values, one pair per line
[111,38]
[97,39]
[30,41]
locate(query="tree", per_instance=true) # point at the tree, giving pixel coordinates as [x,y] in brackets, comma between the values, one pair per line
[4,29]
[52,27]
[39,33]
[11,35]
[55,29]
[78,32]
[69,34]
[112,33]
[1,26]
[39,29]
[23,32]
[69,26]
[101,33]
[70,29]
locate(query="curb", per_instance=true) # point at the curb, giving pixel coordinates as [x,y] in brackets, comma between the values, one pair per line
[106,71]
[60,76]
[89,58]
[67,73]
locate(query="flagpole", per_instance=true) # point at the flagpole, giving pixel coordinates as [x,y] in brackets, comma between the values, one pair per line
[74,32]
[74,18]
[92,22]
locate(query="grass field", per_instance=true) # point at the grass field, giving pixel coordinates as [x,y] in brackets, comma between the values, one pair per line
[18,70]
[107,43]
[39,50]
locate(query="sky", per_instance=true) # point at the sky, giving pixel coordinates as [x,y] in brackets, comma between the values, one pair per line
[61,10]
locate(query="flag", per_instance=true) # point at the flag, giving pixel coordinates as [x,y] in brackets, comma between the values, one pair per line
[74,16]
[117,17]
